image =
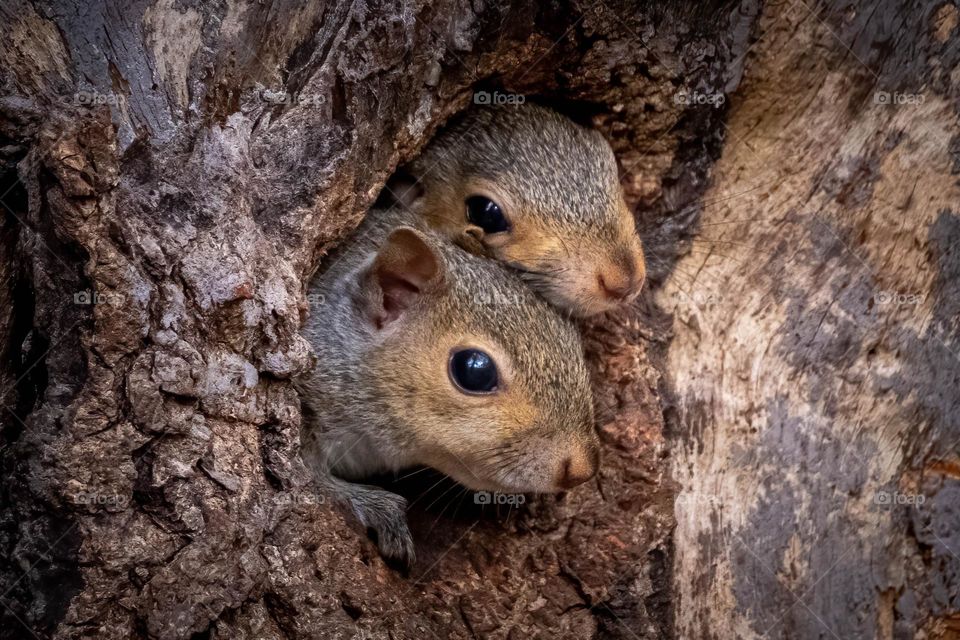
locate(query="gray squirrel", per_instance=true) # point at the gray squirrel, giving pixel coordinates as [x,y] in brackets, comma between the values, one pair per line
[538,192]
[430,355]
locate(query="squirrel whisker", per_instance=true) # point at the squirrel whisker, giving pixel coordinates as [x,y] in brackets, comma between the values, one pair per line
[449,489]
[414,472]
[425,493]
[459,497]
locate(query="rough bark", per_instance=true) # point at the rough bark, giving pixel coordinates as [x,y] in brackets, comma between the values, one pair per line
[152,486]
[815,358]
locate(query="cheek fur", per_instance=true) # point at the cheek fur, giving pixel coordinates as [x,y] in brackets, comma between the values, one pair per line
[437,415]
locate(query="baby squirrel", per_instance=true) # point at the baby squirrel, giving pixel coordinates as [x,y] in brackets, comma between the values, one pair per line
[429,355]
[531,188]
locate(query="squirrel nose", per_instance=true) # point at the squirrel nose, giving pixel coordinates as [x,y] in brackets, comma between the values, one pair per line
[578,468]
[623,279]
[615,287]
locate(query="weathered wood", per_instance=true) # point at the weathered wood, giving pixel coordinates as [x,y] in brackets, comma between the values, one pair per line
[815,359]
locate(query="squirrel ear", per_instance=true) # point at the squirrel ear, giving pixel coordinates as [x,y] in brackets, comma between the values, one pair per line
[471,240]
[474,232]
[406,268]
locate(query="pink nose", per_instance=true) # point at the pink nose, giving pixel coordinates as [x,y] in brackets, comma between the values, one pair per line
[622,278]
[613,287]
[578,468]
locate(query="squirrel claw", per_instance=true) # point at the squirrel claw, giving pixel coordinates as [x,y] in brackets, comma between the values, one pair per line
[395,543]
[385,513]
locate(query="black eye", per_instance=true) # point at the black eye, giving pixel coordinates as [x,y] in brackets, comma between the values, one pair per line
[486,214]
[473,371]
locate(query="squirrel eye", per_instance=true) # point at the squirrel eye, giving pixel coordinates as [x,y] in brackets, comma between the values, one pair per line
[473,371]
[486,214]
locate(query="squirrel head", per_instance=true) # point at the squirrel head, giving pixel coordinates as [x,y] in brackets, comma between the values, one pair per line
[484,379]
[534,190]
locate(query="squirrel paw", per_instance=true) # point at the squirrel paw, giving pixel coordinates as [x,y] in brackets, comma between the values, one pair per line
[386,514]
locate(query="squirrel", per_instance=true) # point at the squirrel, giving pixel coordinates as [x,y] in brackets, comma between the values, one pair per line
[429,355]
[538,192]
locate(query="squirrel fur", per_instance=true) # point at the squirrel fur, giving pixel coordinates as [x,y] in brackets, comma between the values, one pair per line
[572,236]
[394,303]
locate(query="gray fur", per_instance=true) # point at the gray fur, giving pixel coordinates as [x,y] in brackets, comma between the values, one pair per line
[558,184]
[351,431]
[550,164]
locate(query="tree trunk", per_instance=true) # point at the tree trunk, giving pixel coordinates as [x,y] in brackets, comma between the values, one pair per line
[815,358]
[175,171]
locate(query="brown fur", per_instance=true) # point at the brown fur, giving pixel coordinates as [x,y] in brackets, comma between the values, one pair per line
[557,183]
[395,303]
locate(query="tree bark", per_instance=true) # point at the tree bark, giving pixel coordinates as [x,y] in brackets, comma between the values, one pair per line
[815,359]
[175,171]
